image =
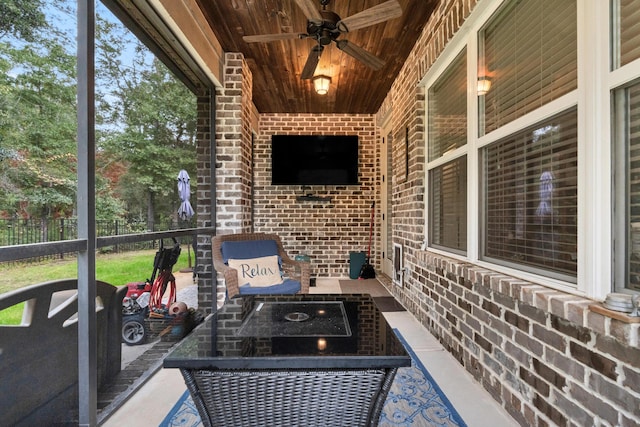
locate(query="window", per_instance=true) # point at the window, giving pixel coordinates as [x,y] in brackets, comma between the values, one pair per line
[502,173]
[447,125]
[626,37]
[448,109]
[625,51]
[448,199]
[546,183]
[627,137]
[529,52]
[530,198]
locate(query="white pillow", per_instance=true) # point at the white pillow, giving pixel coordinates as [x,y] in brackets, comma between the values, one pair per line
[258,272]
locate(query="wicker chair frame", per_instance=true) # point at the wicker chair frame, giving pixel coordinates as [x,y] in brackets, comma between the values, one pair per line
[294,397]
[296,270]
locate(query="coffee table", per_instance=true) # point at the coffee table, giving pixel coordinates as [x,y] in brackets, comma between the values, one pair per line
[295,360]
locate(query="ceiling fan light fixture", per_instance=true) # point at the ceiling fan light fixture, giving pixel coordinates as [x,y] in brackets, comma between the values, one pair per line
[321,84]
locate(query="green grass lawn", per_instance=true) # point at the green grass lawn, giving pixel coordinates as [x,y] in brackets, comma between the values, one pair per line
[116,269]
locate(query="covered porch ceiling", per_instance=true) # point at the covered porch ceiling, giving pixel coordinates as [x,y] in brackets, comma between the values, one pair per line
[181,33]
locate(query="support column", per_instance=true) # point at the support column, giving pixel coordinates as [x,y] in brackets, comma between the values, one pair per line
[233,165]
[87,336]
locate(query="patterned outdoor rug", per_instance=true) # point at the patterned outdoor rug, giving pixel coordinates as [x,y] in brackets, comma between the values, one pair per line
[414,400]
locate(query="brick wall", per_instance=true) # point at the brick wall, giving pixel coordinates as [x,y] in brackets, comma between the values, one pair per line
[246,201]
[542,354]
[326,231]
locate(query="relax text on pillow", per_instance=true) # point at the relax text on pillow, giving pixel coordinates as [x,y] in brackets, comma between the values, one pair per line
[258,272]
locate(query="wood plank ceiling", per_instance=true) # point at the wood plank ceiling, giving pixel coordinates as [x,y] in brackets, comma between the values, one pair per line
[277,65]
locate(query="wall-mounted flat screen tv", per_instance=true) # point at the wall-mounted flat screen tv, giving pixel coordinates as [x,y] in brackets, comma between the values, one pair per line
[314,160]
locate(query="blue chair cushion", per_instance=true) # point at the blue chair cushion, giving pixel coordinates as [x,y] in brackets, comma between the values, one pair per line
[247,249]
[289,286]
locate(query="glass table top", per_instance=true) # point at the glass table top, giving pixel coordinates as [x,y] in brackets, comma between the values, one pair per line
[296,319]
[314,330]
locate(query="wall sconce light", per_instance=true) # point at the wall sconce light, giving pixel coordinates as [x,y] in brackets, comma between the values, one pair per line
[321,84]
[322,344]
[484,84]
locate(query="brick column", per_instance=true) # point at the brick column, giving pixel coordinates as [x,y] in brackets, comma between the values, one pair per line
[233,167]
[204,267]
[233,136]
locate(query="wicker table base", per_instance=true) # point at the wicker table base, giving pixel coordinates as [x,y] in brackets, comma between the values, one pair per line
[309,397]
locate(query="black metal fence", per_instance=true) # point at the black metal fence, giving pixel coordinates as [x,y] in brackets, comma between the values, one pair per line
[26,231]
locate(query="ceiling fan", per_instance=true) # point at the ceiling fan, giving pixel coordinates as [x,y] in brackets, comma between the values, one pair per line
[325,26]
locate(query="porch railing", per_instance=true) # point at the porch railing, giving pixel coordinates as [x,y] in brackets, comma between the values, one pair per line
[19,232]
[34,250]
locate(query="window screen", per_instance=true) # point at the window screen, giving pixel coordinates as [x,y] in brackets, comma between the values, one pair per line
[530,198]
[529,51]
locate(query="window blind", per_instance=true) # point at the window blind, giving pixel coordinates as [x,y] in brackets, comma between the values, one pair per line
[448,201]
[530,198]
[629,31]
[529,51]
[448,109]
[633,168]
[447,130]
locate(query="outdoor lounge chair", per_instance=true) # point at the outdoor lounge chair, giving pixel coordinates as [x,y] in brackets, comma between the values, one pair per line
[39,367]
[247,252]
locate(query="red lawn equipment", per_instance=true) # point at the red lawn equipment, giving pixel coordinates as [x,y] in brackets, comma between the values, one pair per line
[164,261]
[367,271]
[144,299]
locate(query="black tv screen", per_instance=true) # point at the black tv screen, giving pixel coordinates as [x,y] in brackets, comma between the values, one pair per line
[314,159]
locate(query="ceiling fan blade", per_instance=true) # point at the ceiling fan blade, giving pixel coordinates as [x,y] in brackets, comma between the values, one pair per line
[312,62]
[368,59]
[310,10]
[272,37]
[374,15]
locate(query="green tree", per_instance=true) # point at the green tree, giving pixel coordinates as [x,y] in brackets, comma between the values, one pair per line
[149,124]
[145,118]
[38,122]
[21,18]
[38,128]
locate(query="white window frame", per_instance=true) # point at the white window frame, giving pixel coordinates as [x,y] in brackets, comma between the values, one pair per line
[592,98]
